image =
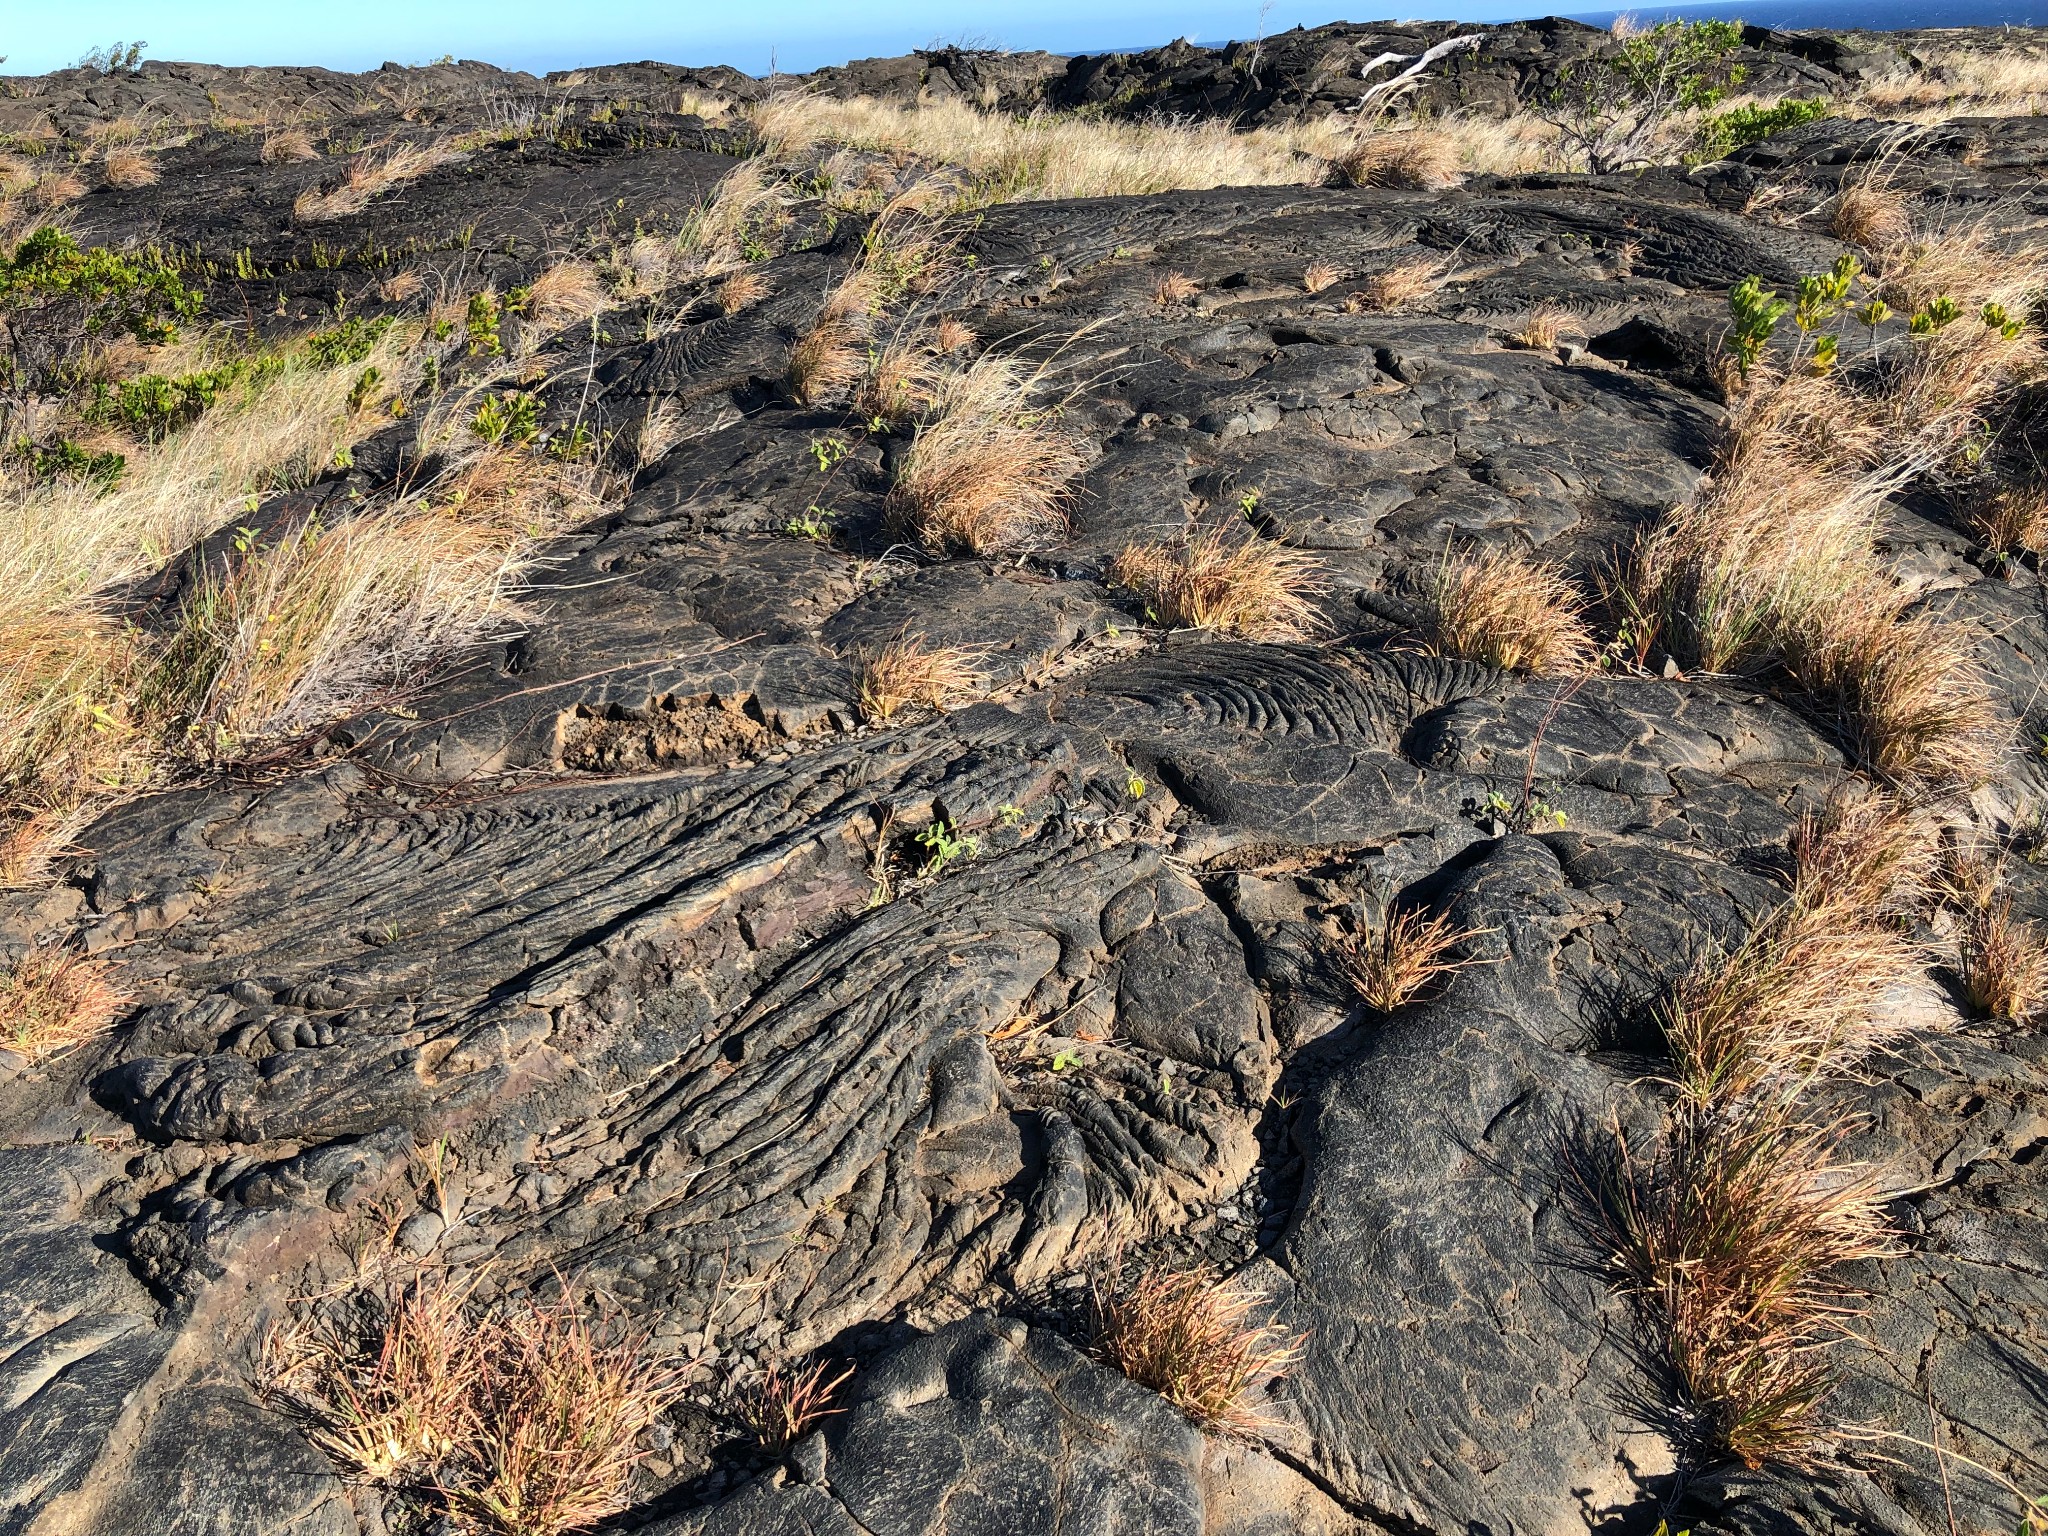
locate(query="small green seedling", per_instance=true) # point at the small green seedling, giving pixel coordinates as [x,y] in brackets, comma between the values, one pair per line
[945,843]
[816,523]
[1134,784]
[1012,814]
[828,451]
[1064,1059]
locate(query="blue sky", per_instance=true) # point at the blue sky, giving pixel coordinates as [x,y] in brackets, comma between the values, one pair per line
[39,35]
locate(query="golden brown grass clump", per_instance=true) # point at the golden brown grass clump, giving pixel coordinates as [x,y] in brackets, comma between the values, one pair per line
[2012,521]
[743,288]
[1415,158]
[902,380]
[286,146]
[53,189]
[1401,284]
[1390,967]
[910,672]
[368,175]
[2001,961]
[989,468]
[1731,1232]
[1044,155]
[567,293]
[73,724]
[1804,994]
[951,335]
[1546,323]
[1505,609]
[522,1419]
[52,1000]
[1175,288]
[1775,565]
[1241,583]
[830,357]
[401,286]
[282,639]
[1728,1236]
[1870,214]
[128,169]
[1189,1337]
[787,1405]
[1318,275]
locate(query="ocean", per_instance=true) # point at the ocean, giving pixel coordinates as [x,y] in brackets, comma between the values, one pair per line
[1867,15]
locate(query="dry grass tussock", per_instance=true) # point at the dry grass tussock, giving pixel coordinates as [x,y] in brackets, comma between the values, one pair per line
[1546,323]
[990,466]
[522,1419]
[1871,214]
[736,292]
[1044,155]
[909,671]
[52,1000]
[1237,582]
[2001,959]
[53,189]
[1174,288]
[901,380]
[1391,966]
[1774,563]
[567,293]
[1505,609]
[127,169]
[1805,994]
[1417,158]
[286,146]
[1729,1235]
[368,175]
[1190,1338]
[2011,521]
[1318,275]
[68,672]
[1963,82]
[787,1405]
[1731,1231]
[1402,283]
[280,640]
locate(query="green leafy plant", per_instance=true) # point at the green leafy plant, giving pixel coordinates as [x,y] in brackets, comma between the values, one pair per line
[484,316]
[816,523]
[1822,297]
[944,843]
[1614,109]
[57,299]
[354,339]
[1754,312]
[511,417]
[1996,317]
[1730,130]
[1938,313]
[155,405]
[828,451]
[65,460]
[114,58]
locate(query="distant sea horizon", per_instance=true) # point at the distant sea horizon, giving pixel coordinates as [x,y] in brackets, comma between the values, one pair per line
[1779,15]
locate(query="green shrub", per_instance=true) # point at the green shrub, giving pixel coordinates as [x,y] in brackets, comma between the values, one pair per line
[349,342]
[1612,109]
[57,298]
[513,417]
[65,460]
[1728,131]
[156,405]
[1753,314]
